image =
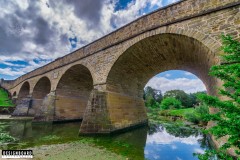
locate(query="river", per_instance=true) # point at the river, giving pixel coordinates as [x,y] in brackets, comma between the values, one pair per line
[165,141]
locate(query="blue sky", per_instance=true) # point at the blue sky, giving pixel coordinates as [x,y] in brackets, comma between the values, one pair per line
[176,79]
[34,33]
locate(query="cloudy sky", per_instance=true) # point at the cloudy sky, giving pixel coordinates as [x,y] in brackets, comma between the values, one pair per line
[34,33]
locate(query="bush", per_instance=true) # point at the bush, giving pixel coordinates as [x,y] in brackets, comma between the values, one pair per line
[227,118]
[6,138]
[170,103]
[198,115]
[192,117]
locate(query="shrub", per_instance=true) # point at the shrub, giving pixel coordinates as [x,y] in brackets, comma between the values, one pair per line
[198,115]
[6,138]
[170,103]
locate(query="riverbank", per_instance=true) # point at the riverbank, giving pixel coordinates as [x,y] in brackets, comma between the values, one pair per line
[9,117]
[73,151]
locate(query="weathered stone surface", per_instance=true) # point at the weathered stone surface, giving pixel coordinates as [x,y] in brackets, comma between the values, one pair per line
[22,107]
[96,117]
[72,93]
[46,109]
[108,112]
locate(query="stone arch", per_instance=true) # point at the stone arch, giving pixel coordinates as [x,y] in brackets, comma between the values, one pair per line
[24,91]
[40,91]
[145,59]
[72,93]
[42,88]
[169,49]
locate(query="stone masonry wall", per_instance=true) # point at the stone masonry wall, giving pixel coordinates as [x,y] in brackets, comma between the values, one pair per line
[182,18]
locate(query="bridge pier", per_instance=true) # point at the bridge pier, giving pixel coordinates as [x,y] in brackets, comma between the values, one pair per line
[45,112]
[109,112]
[22,107]
[41,110]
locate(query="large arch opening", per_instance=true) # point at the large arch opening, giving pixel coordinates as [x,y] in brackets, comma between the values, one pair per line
[157,54]
[40,91]
[72,93]
[24,91]
[145,59]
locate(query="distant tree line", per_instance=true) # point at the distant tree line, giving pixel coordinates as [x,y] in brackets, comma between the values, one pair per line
[173,99]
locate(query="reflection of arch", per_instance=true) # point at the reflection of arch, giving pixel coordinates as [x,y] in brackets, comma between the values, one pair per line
[156,54]
[72,93]
[42,88]
[24,91]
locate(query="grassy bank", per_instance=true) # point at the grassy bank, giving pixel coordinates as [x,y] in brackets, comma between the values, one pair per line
[5,101]
[173,112]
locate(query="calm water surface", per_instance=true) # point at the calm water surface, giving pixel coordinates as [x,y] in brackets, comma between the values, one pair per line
[167,141]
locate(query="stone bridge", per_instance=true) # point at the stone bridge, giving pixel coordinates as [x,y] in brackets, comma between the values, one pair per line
[102,82]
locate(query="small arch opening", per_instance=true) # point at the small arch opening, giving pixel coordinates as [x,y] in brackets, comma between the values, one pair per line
[24,91]
[72,93]
[40,91]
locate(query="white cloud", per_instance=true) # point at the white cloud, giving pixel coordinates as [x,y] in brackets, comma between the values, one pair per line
[166,138]
[23,69]
[173,147]
[167,75]
[179,158]
[188,74]
[41,29]
[188,85]
[198,150]
[156,156]
[10,72]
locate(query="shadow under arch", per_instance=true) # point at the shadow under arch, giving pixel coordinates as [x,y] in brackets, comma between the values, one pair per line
[40,91]
[72,93]
[24,91]
[42,88]
[14,94]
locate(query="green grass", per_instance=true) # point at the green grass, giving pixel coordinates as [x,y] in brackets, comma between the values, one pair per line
[4,100]
[176,112]
[181,112]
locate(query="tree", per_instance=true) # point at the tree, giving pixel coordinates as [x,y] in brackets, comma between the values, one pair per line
[228,117]
[152,97]
[158,96]
[193,96]
[181,96]
[170,103]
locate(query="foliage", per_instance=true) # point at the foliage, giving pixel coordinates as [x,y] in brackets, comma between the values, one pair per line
[170,103]
[194,100]
[179,130]
[5,101]
[192,118]
[228,118]
[180,95]
[198,115]
[156,94]
[181,112]
[6,138]
[152,97]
